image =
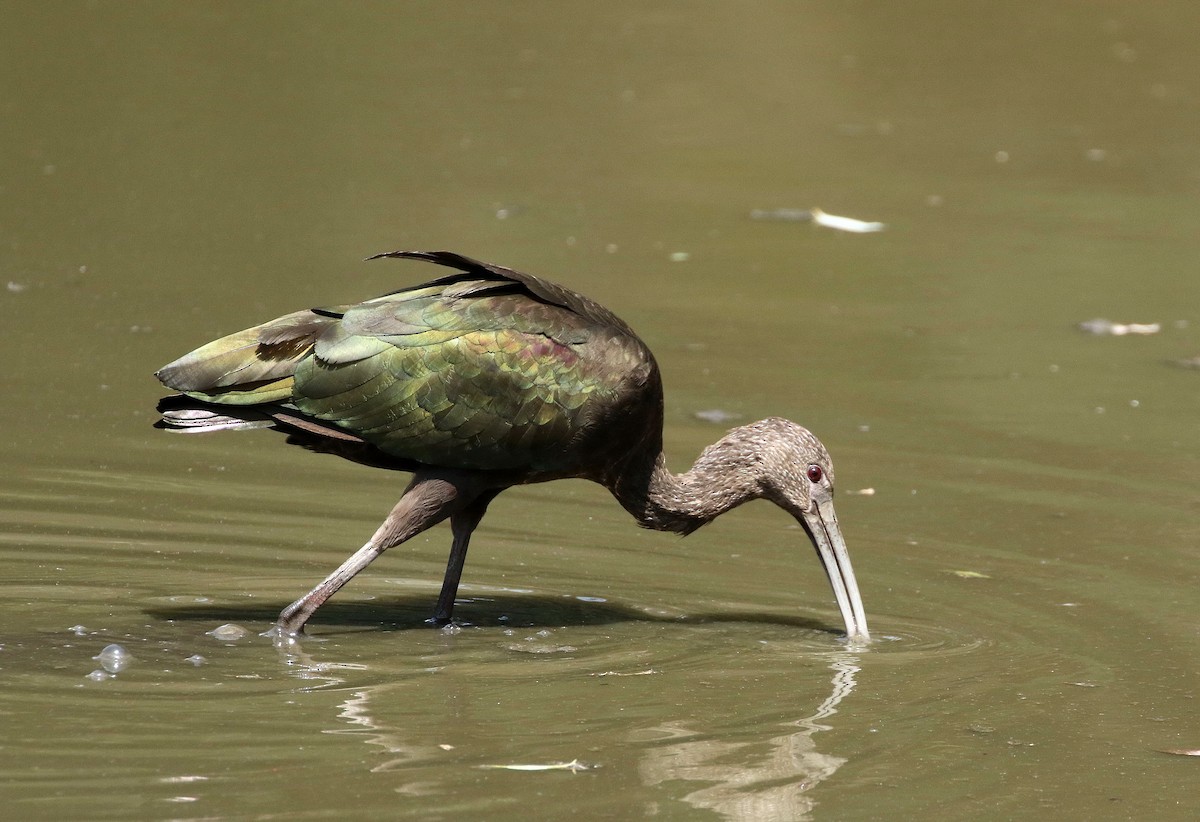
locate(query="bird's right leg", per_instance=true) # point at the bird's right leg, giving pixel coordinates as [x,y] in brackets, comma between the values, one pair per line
[427,501]
[462,525]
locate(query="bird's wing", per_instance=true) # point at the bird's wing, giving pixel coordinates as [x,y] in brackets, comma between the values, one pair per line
[466,372]
[484,368]
[536,287]
[250,367]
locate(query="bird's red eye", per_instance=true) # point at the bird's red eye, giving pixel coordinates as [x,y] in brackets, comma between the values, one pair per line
[815,473]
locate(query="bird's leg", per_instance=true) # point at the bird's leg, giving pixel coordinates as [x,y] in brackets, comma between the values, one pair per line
[462,524]
[427,501]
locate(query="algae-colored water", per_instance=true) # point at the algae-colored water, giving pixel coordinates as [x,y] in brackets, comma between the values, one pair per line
[1029,557]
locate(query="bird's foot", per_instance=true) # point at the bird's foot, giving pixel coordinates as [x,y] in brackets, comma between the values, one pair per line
[446,623]
[282,636]
[293,618]
[289,627]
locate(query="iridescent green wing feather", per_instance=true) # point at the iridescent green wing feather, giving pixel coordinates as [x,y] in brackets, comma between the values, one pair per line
[250,367]
[483,368]
[467,373]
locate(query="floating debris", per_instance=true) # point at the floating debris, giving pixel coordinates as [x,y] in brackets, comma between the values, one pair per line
[15,287]
[861,492]
[646,672]
[818,217]
[539,648]
[679,257]
[969,574]
[718,416]
[113,659]
[574,766]
[227,632]
[1084,684]
[504,212]
[1106,328]
[845,223]
[1181,751]
[1188,362]
[782,215]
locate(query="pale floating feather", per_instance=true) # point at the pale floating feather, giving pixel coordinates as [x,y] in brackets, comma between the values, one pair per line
[845,223]
[574,766]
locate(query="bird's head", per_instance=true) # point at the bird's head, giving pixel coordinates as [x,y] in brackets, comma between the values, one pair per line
[796,473]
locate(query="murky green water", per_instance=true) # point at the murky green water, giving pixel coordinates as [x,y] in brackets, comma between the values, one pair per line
[171,173]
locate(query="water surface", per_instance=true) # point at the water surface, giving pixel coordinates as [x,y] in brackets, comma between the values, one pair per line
[1028,556]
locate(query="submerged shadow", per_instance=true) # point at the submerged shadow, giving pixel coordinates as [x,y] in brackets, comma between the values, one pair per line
[500,610]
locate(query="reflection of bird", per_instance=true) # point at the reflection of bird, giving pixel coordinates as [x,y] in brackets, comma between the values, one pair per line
[484,379]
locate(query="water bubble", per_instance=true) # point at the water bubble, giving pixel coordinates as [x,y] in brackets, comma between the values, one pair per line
[227,632]
[99,675]
[78,630]
[196,660]
[113,659]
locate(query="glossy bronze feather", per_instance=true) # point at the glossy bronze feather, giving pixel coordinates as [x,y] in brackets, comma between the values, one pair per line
[481,380]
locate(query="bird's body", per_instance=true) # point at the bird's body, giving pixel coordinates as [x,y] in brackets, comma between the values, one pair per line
[484,379]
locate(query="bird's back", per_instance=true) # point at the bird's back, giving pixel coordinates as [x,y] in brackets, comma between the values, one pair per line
[486,368]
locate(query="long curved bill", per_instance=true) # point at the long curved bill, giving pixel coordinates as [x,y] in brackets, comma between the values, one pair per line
[821,523]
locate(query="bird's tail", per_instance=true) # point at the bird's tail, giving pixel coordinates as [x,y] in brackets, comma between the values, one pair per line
[187,416]
[250,367]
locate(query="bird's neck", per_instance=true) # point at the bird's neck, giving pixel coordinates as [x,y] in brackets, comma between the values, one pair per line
[722,478]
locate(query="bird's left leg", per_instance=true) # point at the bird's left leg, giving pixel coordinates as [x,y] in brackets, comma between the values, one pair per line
[430,498]
[462,525]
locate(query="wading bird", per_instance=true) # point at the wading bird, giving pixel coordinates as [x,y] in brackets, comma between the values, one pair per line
[481,380]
